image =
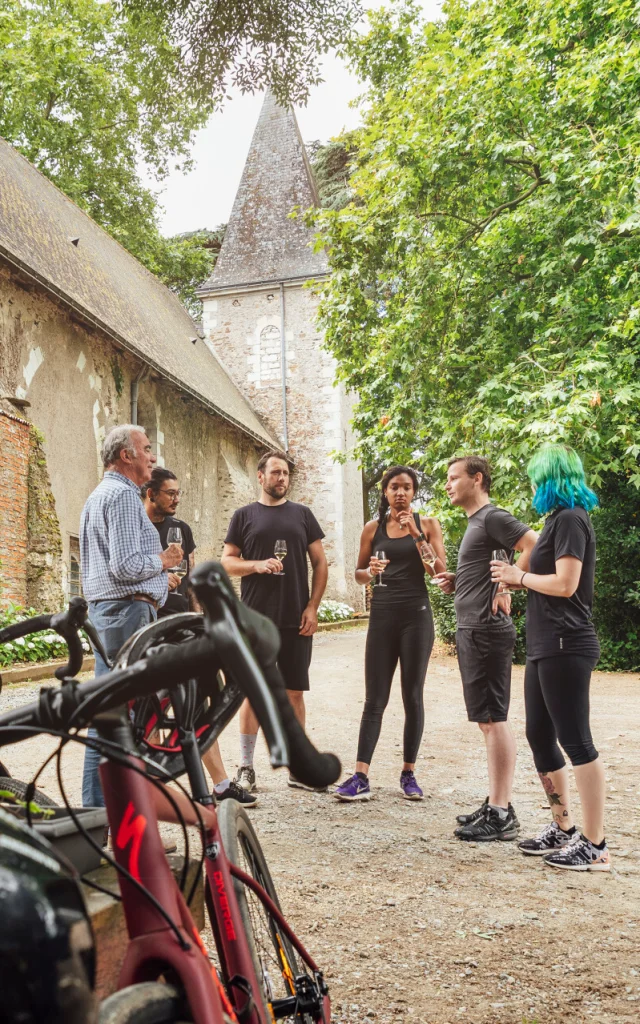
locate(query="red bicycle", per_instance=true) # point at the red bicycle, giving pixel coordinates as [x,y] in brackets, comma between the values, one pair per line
[263,973]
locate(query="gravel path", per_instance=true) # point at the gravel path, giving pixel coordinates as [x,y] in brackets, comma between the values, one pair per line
[411,925]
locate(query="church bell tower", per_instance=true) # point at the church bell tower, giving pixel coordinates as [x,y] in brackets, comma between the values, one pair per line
[259,316]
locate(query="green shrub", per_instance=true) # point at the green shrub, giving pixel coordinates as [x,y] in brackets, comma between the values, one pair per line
[41,646]
[334,611]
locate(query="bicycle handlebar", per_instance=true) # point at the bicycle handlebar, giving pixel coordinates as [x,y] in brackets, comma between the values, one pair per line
[66,624]
[229,625]
[258,677]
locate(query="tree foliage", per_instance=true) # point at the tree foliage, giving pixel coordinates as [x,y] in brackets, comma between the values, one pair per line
[485,290]
[253,43]
[91,91]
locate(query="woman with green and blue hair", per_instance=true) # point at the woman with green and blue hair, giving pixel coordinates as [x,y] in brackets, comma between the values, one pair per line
[562,650]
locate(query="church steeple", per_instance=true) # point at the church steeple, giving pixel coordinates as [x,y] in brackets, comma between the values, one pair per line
[262,242]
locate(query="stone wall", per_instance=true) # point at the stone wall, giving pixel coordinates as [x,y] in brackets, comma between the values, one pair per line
[45,571]
[78,384]
[244,330]
[14,472]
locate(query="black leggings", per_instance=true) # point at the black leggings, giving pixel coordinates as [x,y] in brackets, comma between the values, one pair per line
[404,633]
[556,696]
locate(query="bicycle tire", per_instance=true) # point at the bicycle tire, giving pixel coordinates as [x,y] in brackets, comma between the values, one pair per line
[243,849]
[151,1002]
[19,789]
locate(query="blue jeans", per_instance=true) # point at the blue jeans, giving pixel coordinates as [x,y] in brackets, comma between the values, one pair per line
[115,622]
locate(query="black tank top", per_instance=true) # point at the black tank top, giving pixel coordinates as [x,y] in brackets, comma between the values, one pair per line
[404,574]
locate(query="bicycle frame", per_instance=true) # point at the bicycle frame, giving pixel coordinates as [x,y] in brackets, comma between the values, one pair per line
[154,949]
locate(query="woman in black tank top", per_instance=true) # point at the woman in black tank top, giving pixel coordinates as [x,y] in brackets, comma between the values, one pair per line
[400,623]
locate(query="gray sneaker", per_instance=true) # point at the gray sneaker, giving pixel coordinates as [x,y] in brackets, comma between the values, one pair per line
[246,778]
[550,839]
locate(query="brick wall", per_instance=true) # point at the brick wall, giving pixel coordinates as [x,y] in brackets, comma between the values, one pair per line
[14,496]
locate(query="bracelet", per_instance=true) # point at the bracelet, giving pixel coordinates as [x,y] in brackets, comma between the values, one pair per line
[521,578]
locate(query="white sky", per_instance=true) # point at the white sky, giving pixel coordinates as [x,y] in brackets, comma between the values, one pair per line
[203,198]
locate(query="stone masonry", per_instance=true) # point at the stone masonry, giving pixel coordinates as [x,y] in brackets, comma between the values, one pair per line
[260,286]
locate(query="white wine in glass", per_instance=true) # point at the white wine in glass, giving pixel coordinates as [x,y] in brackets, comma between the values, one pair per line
[381,556]
[180,570]
[280,552]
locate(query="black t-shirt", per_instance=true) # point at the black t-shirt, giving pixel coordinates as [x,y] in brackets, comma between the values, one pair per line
[177,600]
[255,529]
[488,529]
[562,625]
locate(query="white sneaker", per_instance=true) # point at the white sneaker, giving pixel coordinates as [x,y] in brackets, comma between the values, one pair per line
[246,778]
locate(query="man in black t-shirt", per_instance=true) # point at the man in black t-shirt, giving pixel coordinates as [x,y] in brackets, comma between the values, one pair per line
[277,588]
[485,637]
[161,496]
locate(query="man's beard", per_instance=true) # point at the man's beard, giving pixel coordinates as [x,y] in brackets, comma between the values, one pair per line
[273,492]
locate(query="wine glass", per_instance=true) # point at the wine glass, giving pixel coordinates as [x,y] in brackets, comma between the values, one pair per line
[180,570]
[381,556]
[174,535]
[500,555]
[428,555]
[280,552]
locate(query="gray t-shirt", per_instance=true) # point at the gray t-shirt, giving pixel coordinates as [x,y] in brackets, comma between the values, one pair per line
[488,529]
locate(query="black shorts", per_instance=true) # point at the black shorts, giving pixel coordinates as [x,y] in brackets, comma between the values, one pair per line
[484,657]
[294,658]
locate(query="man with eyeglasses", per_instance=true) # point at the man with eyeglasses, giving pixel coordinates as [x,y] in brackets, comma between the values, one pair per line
[161,496]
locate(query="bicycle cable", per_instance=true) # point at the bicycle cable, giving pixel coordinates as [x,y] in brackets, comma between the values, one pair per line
[111,749]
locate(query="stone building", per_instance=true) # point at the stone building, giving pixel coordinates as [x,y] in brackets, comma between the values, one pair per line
[89,339]
[259,317]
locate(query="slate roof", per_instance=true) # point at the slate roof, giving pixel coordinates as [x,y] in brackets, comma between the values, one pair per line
[261,242]
[108,288]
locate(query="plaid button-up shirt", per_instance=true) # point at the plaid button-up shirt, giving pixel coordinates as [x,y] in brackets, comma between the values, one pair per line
[119,545]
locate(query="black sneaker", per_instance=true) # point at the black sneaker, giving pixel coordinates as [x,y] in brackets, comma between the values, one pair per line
[468,819]
[236,792]
[489,828]
[550,839]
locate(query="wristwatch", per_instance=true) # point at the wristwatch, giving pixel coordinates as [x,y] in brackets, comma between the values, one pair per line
[420,537]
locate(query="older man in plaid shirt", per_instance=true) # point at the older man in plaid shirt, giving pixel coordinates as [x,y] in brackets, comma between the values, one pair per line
[124,569]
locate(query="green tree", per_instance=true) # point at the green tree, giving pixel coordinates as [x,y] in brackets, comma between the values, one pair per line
[268,42]
[90,91]
[484,289]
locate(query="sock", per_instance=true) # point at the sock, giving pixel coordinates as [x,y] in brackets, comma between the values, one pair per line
[222,787]
[502,812]
[407,771]
[568,831]
[596,846]
[247,747]
[361,775]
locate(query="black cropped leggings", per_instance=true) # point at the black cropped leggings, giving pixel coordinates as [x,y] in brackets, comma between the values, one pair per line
[556,696]
[404,633]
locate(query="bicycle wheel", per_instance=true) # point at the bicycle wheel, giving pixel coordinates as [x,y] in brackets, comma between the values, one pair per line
[19,789]
[148,1003]
[153,718]
[275,961]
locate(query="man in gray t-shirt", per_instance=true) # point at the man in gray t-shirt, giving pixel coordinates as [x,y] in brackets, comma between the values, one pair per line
[485,638]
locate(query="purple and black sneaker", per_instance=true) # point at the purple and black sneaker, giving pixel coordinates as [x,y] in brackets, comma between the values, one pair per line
[409,786]
[355,788]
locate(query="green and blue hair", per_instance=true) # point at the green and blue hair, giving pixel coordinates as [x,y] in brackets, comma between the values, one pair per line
[557,473]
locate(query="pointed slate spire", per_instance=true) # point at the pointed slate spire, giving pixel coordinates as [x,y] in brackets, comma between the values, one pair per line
[262,243]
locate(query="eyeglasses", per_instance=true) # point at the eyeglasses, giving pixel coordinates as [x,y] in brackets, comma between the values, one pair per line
[170,494]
